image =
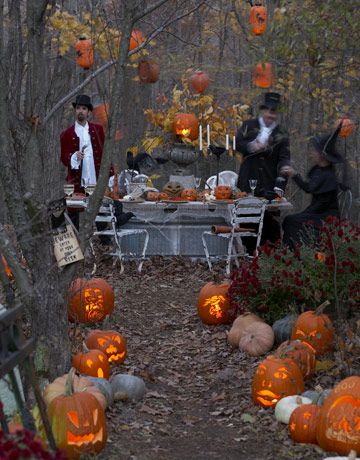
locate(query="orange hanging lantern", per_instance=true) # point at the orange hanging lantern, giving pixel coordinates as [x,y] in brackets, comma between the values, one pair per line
[136,39]
[84,53]
[213,304]
[100,114]
[199,81]
[263,75]
[112,343]
[274,379]
[186,125]
[92,362]
[148,71]
[90,300]
[258,19]
[7,269]
[347,127]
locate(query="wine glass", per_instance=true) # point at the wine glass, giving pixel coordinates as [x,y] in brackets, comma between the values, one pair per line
[90,188]
[69,189]
[197,182]
[252,185]
[85,183]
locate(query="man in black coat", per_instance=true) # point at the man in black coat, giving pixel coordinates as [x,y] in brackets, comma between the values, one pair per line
[265,148]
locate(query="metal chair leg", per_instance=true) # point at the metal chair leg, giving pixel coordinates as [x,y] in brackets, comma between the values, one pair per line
[229,253]
[207,255]
[143,251]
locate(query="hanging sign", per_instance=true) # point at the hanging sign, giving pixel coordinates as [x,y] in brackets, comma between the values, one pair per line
[66,246]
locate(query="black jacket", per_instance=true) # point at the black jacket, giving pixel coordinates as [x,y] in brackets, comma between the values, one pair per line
[264,165]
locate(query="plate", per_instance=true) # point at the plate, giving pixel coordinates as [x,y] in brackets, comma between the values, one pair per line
[223,201]
[137,200]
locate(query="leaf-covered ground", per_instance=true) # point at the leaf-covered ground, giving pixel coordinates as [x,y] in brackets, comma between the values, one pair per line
[198,403]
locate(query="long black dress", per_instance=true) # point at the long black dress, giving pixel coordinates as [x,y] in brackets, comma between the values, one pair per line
[323,186]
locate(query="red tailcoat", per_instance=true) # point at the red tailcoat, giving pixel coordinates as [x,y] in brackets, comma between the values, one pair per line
[70,144]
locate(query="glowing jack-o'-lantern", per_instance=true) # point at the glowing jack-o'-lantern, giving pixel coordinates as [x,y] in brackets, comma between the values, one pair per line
[338,427]
[213,304]
[112,343]
[302,353]
[316,329]
[189,194]
[274,379]
[223,192]
[92,362]
[186,125]
[90,300]
[303,422]
[78,424]
[263,75]
[258,19]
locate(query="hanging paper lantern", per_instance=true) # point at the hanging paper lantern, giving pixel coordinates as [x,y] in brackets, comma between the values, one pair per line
[263,75]
[347,126]
[7,269]
[148,71]
[136,39]
[84,53]
[100,114]
[258,19]
[199,81]
[186,125]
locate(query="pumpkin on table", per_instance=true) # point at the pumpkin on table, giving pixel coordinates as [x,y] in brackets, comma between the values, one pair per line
[78,422]
[152,196]
[92,362]
[303,422]
[189,194]
[338,427]
[316,329]
[223,192]
[90,300]
[110,342]
[302,353]
[274,379]
[213,304]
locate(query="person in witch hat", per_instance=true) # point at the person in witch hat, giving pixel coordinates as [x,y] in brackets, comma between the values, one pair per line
[321,183]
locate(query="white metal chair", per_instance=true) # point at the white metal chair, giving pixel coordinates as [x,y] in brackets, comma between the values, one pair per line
[225,178]
[251,214]
[107,214]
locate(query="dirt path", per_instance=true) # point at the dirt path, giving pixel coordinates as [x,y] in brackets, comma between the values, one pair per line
[198,402]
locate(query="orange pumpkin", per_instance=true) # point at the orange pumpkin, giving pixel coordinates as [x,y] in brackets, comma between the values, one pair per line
[258,19]
[84,53]
[303,423]
[189,194]
[163,196]
[92,362]
[213,304]
[136,39]
[90,301]
[152,196]
[100,114]
[199,81]
[302,353]
[148,71]
[112,343]
[186,125]
[347,126]
[263,75]
[316,329]
[274,379]
[338,422]
[223,192]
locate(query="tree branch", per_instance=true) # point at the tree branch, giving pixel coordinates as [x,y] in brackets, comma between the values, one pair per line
[149,10]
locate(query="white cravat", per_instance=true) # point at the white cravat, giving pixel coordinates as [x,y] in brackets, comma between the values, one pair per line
[88,175]
[265,131]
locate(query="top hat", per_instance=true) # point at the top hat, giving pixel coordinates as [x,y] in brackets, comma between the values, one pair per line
[83,99]
[326,146]
[271,101]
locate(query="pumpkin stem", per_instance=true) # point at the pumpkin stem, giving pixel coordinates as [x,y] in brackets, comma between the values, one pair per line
[298,400]
[319,389]
[69,385]
[85,348]
[322,307]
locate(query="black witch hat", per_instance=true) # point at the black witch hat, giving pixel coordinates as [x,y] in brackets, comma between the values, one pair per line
[326,145]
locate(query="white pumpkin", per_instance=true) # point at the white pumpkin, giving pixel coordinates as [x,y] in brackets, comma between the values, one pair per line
[286,406]
[104,386]
[127,387]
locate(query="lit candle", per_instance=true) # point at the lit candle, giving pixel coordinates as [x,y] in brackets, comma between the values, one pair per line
[234,143]
[208,134]
[227,142]
[200,138]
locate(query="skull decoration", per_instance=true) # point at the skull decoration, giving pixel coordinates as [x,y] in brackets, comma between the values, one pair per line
[109,342]
[92,362]
[338,427]
[213,304]
[189,194]
[173,189]
[78,424]
[90,300]
[275,378]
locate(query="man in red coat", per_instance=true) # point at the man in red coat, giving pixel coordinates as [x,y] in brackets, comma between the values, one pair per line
[82,146]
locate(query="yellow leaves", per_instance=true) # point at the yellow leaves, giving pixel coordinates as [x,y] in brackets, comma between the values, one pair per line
[324,365]
[150,143]
[177,96]
[133,149]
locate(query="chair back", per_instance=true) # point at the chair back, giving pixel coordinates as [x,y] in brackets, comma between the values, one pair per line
[251,216]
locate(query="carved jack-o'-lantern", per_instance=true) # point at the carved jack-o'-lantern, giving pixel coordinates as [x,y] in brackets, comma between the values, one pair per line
[213,304]
[302,353]
[316,329]
[152,196]
[92,362]
[223,192]
[274,379]
[78,424]
[186,125]
[189,194]
[163,196]
[263,75]
[303,422]
[338,427]
[112,343]
[173,189]
[90,300]
[258,18]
